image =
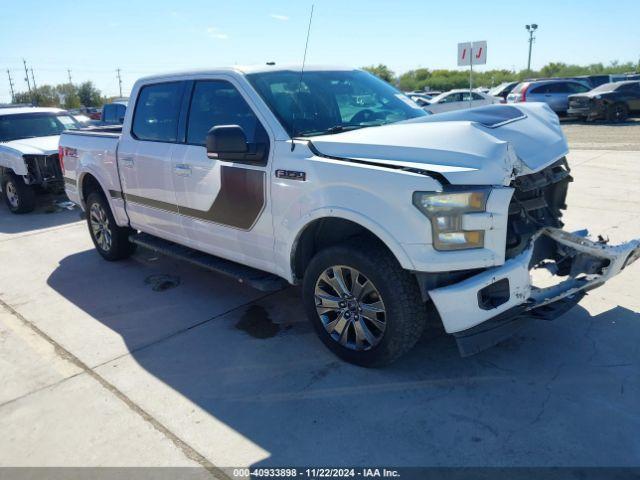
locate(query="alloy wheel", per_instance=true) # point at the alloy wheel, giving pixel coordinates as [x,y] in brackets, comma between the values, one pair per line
[100,226]
[12,194]
[350,307]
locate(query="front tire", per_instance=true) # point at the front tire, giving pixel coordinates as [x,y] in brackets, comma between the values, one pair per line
[111,241]
[364,306]
[19,197]
[618,112]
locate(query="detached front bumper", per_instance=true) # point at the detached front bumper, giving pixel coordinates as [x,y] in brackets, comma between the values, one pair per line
[486,308]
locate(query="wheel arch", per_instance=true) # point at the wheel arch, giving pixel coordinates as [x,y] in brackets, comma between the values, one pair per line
[88,181]
[326,230]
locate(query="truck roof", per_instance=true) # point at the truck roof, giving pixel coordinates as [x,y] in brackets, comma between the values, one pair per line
[17,110]
[247,69]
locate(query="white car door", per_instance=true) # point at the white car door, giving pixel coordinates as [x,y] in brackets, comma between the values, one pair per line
[145,164]
[224,205]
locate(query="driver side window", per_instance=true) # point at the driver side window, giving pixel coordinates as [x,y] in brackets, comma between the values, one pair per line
[215,103]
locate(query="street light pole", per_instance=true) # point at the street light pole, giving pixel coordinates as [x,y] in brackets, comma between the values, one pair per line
[531,29]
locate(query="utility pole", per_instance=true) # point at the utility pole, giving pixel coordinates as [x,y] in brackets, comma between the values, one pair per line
[33,80]
[26,78]
[119,82]
[531,29]
[13,95]
[69,73]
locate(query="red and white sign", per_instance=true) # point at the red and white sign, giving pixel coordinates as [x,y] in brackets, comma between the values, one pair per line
[472,53]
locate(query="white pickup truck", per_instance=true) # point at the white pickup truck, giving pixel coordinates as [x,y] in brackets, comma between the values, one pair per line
[335,181]
[29,153]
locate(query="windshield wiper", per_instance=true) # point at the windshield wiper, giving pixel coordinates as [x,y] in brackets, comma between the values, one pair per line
[334,129]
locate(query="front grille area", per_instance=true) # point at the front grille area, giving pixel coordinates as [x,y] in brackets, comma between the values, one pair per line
[43,169]
[579,102]
[538,201]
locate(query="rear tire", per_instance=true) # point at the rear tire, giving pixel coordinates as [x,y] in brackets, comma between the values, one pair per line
[356,330]
[618,112]
[111,241]
[19,197]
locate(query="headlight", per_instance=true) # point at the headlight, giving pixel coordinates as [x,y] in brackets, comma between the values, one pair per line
[445,210]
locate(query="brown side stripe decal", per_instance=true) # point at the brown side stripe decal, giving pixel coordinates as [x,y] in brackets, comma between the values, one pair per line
[238,204]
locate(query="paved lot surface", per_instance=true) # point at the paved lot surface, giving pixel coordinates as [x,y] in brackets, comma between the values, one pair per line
[99,369]
[598,135]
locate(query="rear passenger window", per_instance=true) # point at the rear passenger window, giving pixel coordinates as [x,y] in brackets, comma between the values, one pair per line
[157,112]
[541,89]
[217,102]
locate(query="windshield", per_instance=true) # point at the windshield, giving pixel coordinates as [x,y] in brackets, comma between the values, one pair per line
[29,125]
[607,87]
[331,101]
[498,89]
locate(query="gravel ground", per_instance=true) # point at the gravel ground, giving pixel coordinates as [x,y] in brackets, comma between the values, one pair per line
[601,136]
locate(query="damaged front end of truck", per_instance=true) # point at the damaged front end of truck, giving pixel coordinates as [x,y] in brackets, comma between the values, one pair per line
[546,271]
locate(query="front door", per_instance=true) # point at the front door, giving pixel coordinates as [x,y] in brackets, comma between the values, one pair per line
[224,205]
[145,164]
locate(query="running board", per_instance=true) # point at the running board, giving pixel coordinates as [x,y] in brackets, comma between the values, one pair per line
[252,277]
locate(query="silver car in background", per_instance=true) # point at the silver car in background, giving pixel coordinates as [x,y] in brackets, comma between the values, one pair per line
[554,93]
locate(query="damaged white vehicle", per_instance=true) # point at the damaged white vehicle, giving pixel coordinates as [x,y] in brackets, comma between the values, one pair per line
[336,181]
[29,154]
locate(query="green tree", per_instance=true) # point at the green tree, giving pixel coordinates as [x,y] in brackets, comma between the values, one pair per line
[68,94]
[89,95]
[381,71]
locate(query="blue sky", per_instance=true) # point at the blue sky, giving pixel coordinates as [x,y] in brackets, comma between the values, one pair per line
[93,38]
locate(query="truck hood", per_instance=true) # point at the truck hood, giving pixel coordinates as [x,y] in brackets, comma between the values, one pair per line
[480,146]
[34,146]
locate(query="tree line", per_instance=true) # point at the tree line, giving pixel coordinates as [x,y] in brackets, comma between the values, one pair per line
[443,80]
[70,96]
[64,95]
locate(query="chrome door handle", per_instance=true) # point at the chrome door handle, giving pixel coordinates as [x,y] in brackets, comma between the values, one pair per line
[182,169]
[127,161]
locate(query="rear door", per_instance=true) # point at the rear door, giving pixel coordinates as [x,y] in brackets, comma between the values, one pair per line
[630,94]
[223,204]
[145,160]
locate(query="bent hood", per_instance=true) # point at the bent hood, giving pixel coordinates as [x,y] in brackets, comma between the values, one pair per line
[480,146]
[34,146]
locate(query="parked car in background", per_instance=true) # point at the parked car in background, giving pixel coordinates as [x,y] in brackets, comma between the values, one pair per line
[554,93]
[113,113]
[93,113]
[594,80]
[501,91]
[29,153]
[84,120]
[421,100]
[458,99]
[611,101]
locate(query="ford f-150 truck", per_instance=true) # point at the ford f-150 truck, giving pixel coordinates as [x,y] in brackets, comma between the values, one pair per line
[333,180]
[29,153]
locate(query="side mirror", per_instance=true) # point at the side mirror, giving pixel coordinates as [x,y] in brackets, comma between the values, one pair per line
[226,142]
